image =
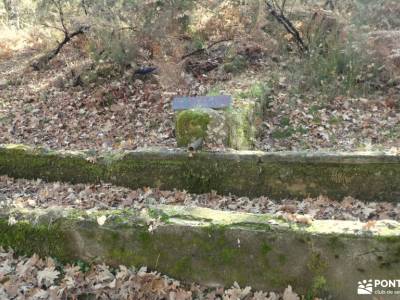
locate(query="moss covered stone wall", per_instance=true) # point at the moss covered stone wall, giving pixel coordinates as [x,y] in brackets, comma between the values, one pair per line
[368,177]
[213,247]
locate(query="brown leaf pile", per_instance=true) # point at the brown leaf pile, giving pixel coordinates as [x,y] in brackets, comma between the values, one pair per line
[46,109]
[35,278]
[342,124]
[30,194]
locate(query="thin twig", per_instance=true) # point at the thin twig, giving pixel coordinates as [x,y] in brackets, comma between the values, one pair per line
[67,36]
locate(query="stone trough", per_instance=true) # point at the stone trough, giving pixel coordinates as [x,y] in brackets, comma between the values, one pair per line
[209,246]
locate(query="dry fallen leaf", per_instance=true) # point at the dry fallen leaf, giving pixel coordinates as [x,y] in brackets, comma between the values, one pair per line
[47,276]
[304,219]
[101,220]
[288,294]
[369,225]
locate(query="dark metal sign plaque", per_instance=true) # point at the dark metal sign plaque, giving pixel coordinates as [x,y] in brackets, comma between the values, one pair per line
[216,102]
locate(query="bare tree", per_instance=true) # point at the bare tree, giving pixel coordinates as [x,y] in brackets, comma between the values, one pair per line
[68,35]
[277,10]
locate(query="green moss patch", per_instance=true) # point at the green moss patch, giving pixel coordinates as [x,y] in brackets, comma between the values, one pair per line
[190,126]
[240,130]
[27,239]
[24,162]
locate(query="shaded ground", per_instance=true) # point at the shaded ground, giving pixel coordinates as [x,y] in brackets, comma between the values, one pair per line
[30,194]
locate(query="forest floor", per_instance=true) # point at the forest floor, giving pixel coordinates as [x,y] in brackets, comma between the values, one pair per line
[52,108]
[42,108]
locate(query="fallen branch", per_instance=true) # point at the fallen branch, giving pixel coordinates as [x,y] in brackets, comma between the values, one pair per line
[44,60]
[67,38]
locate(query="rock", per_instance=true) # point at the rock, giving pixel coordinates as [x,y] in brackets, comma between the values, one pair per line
[204,123]
[217,131]
[232,128]
[241,123]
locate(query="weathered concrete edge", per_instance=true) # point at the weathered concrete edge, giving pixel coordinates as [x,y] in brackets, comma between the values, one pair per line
[260,156]
[213,247]
[366,176]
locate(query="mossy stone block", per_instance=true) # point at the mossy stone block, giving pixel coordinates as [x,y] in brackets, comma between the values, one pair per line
[191,125]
